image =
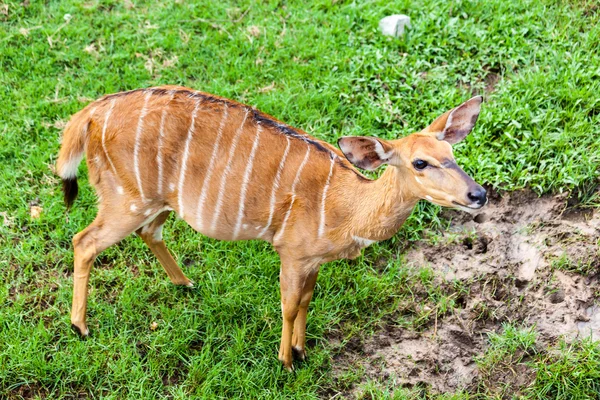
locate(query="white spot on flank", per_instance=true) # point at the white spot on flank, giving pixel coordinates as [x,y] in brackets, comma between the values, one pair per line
[428,197]
[110,109]
[363,242]
[161,135]
[276,186]
[133,208]
[209,172]
[323,199]
[120,189]
[186,154]
[136,147]
[293,190]
[219,204]
[147,212]
[245,181]
[171,187]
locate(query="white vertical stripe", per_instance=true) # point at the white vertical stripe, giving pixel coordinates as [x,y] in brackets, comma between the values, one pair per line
[186,154]
[325,188]
[287,214]
[219,204]
[110,109]
[276,186]
[247,173]
[209,172]
[136,147]
[296,180]
[161,135]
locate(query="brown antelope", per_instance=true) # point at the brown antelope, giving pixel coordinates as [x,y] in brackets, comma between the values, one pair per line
[234,173]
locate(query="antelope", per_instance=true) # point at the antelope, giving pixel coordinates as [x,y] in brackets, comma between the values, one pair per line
[235,173]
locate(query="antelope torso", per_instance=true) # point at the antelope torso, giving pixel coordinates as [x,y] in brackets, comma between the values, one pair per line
[230,171]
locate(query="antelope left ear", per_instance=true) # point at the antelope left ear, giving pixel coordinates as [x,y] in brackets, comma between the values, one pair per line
[461,121]
[366,152]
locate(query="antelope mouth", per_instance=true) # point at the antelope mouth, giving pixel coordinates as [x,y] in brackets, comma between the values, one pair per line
[468,208]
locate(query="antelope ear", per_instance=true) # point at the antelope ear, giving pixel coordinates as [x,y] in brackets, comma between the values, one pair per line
[454,125]
[366,152]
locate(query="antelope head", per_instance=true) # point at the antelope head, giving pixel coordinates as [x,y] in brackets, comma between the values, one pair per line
[425,159]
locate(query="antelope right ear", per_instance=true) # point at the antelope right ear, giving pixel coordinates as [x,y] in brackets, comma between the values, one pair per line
[366,152]
[454,125]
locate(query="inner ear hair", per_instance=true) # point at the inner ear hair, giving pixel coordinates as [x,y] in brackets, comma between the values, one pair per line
[366,152]
[460,121]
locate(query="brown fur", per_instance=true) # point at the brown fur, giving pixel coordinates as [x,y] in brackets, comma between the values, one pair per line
[356,209]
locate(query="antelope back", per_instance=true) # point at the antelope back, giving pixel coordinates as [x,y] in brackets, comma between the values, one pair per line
[230,171]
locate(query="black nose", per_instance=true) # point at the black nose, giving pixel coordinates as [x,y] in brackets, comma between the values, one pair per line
[478,195]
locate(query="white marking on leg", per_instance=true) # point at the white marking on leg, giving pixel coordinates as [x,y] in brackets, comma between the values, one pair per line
[186,154]
[157,234]
[145,225]
[136,146]
[209,172]
[363,242]
[219,204]
[323,199]
[276,186]
[110,109]
[161,135]
[245,181]
[293,190]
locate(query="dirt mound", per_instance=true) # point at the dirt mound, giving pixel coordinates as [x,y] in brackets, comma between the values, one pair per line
[525,259]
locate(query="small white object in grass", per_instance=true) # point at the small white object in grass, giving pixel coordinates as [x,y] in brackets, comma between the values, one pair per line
[35,211]
[394,25]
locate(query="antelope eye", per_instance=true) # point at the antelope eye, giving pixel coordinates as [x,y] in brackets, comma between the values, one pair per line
[420,165]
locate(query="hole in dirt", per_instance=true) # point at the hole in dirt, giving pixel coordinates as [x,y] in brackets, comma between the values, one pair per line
[523,259]
[480,218]
[468,243]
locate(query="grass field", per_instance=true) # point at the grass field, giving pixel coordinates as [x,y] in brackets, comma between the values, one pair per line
[322,67]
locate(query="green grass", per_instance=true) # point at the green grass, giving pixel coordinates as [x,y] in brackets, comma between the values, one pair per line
[333,75]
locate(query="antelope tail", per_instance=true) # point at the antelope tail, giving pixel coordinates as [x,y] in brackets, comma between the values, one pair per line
[71,153]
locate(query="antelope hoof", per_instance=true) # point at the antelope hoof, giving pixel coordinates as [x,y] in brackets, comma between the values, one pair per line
[187,283]
[288,365]
[80,328]
[299,353]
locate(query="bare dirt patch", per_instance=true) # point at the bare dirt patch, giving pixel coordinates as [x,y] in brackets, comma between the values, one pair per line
[525,259]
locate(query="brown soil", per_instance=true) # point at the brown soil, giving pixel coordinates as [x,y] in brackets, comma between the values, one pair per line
[527,260]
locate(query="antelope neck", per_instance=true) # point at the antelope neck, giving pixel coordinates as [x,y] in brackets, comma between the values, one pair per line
[384,205]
